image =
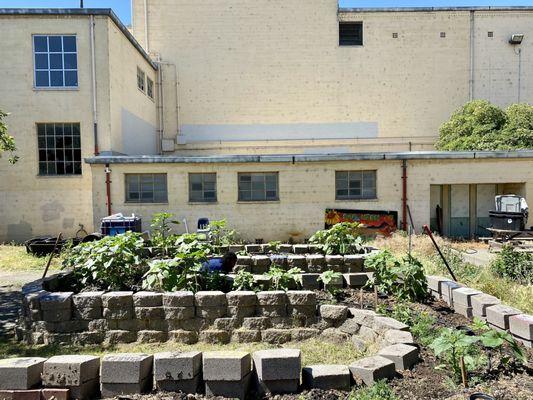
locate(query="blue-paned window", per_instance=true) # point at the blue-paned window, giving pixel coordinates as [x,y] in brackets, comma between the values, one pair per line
[56,61]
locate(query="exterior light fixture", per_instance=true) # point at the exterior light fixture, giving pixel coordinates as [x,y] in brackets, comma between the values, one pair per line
[516,38]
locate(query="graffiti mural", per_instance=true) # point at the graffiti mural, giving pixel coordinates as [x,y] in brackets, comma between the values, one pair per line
[375,222]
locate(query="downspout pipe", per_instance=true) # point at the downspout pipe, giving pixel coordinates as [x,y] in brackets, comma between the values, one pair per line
[472,53]
[108,188]
[93,86]
[146,46]
[404,195]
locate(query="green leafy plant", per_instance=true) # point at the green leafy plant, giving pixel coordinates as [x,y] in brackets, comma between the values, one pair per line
[112,263]
[243,280]
[284,280]
[514,265]
[342,238]
[164,275]
[327,277]
[378,391]
[162,233]
[274,246]
[221,234]
[403,278]
[193,243]
[7,143]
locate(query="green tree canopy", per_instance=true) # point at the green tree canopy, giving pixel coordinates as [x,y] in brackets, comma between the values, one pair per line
[480,125]
[7,143]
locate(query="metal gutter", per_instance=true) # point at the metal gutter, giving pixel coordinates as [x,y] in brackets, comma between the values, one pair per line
[430,9]
[107,12]
[294,158]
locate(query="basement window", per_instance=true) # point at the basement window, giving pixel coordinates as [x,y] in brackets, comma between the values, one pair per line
[59,147]
[258,186]
[146,188]
[350,33]
[355,185]
[140,79]
[203,187]
[490,34]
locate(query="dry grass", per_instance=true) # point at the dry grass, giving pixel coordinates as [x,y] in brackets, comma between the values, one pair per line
[481,278]
[314,351]
[14,258]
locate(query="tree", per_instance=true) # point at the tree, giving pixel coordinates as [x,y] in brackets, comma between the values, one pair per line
[475,126]
[7,143]
[518,132]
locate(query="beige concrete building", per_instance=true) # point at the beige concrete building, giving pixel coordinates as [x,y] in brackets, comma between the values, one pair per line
[266,113]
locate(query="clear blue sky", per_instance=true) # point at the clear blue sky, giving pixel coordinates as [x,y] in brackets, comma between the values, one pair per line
[123,10]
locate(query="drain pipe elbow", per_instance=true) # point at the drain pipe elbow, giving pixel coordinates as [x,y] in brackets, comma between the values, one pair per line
[108,188]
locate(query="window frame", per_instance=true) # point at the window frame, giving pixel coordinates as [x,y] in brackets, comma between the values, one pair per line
[76,151]
[359,23]
[140,200]
[265,190]
[361,197]
[149,87]
[49,69]
[139,73]
[203,190]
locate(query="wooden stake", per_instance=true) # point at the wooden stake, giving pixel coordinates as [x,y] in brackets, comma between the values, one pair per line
[463,372]
[52,255]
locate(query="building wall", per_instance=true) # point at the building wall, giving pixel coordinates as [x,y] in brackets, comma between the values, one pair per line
[267,67]
[305,191]
[30,204]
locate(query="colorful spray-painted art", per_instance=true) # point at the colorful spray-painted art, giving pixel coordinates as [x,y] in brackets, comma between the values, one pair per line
[375,222]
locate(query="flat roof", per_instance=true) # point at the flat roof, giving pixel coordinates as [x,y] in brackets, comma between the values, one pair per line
[107,12]
[294,158]
[432,9]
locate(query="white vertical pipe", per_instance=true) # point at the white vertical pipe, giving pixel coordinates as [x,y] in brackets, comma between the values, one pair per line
[93,83]
[472,53]
[147,47]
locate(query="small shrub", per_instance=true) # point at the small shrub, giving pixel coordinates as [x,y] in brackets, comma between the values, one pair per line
[221,234]
[514,265]
[112,263]
[342,238]
[379,391]
[327,277]
[284,280]
[163,237]
[243,281]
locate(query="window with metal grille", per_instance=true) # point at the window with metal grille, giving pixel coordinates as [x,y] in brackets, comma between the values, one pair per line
[59,147]
[258,186]
[150,87]
[355,185]
[203,187]
[350,33]
[140,79]
[56,61]
[146,188]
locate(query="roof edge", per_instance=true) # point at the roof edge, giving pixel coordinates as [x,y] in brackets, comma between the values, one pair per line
[431,9]
[108,12]
[294,158]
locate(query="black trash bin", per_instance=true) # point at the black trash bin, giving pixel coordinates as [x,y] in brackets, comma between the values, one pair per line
[508,221]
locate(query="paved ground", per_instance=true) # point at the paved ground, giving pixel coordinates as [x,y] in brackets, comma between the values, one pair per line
[10,298]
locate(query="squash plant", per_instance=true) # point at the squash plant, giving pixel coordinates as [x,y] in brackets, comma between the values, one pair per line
[342,238]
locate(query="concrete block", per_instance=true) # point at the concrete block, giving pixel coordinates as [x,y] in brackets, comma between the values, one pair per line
[252,248]
[149,313]
[149,336]
[70,370]
[241,298]
[297,261]
[187,386]
[126,368]
[310,281]
[179,312]
[281,260]
[326,377]
[214,336]
[54,394]
[57,315]
[350,326]
[315,262]
[246,336]
[302,311]
[300,249]
[463,296]
[256,323]
[332,312]
[178,299]
[367,334]
[334,260]
[279,386]
[382,324]
[301,334]
[176,366]
[229,389]
[272,298]
[34,394]
[87,305]
[272,311]
[403,356]
[447,290]
[276,336]
[21,373]
[363,317]
[393,336]
[86,391]
[334,283]
[235,248]
[435,283]
[522,326]
[210,299]
[355,280]
[147,299]
[481,302]
[56,300]
[260,264]
[111,390]
[243,260]
[119,336]
[118,300]
[371,369]
[241,311]
[239,267]
[226,324]
[301,297]
[226,365]
[278,364]
[118,313]
[463,310]
[285,248]
[182,336]
[334,335]
[211,312]
[499,315]
[354,262]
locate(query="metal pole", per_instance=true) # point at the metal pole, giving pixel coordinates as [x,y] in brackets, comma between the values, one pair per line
[52,255]
[428,231]
[81,3]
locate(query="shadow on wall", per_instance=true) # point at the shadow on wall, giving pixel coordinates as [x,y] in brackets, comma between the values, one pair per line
[19,232]
[138,136]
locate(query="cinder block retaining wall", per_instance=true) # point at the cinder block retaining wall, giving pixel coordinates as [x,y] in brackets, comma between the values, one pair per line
[228,374]
[474,303]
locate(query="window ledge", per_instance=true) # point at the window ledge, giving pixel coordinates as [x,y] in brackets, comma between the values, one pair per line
[70,176]
[56,89]
[135,203]
[200,203]
[259,202]
[357,200]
